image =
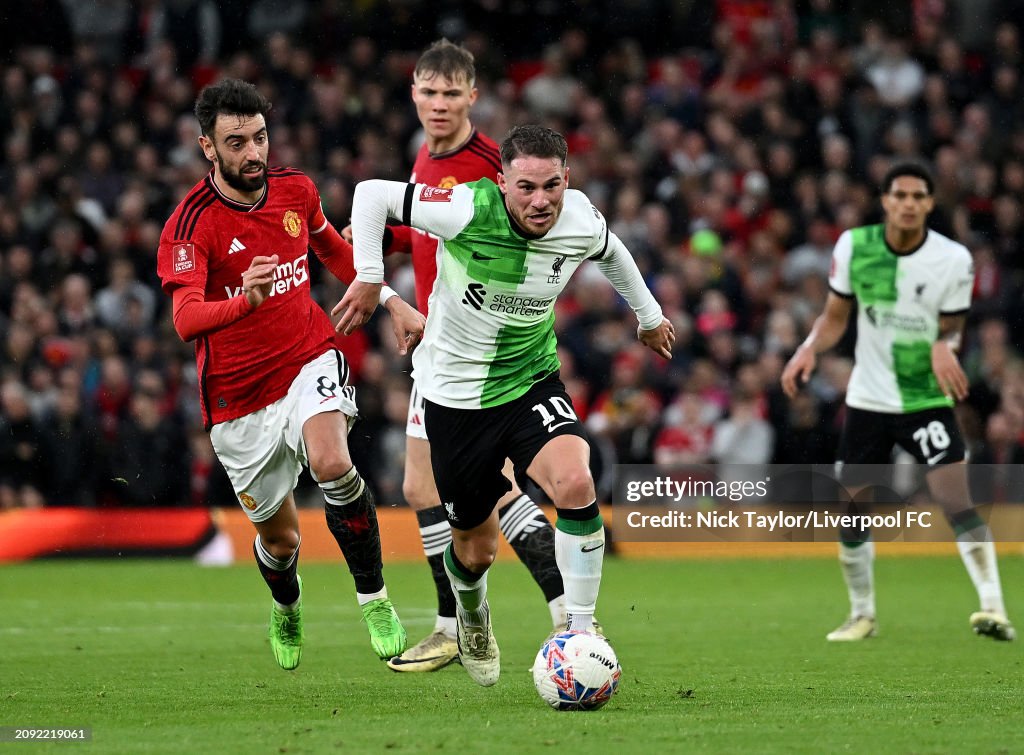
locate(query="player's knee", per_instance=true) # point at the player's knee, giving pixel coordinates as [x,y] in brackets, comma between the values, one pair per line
[281,545]
[329,466]
[480,556]
[574,489]
[420,492]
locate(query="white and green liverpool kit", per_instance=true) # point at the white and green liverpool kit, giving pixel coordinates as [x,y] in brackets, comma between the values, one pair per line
[900,298]
[490,334]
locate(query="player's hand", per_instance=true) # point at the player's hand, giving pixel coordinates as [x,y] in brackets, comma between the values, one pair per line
[948,372]
[258,280]
[406,322]
[800,366]
[659,339]
[346,233]
[356,306]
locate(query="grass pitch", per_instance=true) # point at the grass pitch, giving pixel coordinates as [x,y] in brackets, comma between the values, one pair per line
[718,656]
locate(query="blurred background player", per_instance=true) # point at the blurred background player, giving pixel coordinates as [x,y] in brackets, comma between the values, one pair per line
[274,391]
[488,365]
[454,152]
[913,288]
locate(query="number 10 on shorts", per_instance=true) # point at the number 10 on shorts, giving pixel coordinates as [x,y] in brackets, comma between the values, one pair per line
[563,413]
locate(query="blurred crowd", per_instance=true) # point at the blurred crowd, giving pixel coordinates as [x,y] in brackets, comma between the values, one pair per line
[728,143]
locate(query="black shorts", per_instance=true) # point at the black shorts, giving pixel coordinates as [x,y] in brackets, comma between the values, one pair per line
[931,436]
[468,447]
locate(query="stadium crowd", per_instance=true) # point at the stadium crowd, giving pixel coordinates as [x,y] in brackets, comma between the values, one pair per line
[728,144]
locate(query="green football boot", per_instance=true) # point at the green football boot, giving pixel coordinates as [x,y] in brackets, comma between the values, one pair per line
[387,635]
[286,634]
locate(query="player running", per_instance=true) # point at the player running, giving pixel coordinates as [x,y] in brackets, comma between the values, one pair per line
[488,368]
[913,288]
[454,152]
[274,391]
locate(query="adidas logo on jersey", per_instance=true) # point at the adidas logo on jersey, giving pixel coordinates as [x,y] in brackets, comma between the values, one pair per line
[236,246]
[474,296]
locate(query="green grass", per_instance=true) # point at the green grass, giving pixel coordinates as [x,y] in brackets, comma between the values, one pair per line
[718,656]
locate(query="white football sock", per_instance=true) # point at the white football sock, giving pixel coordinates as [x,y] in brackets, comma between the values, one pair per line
[980,560]
[858,570]
[580,558]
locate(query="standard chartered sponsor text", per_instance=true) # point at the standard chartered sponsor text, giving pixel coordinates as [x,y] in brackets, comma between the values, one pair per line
[529,306]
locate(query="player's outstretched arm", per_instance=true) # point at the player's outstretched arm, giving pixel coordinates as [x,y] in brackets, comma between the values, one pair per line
[619,267]
[370,209]
[828,328]
[659,339]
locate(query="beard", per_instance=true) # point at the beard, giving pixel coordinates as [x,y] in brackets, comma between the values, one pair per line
[238,180]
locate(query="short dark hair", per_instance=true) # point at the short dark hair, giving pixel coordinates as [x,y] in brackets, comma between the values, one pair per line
[916,170]
[228,97]
[534,141]
[446,59]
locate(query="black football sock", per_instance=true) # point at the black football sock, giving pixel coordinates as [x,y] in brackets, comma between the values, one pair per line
[352,519]
[532,537]
[436,535]
[280,575]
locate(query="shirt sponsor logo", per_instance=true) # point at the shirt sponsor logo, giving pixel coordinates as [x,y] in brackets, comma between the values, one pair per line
[528,306]
[887,319]
[184,258]
[435,194]
[292,223]
[287,276]
[474,295]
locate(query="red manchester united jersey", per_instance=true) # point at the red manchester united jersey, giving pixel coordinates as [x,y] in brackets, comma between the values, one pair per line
[209,242]
[477,158]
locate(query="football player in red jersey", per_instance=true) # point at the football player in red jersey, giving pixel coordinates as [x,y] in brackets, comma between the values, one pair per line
[274,390]
[455,152]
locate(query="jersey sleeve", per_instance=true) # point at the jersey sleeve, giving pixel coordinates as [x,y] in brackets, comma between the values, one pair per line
[315,218]
[839,273]
[957,297]
[180,262]
[443,212]
[602,235]
[620,269]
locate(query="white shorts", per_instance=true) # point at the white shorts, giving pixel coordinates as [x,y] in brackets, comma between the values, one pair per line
[415,426]
[264,452]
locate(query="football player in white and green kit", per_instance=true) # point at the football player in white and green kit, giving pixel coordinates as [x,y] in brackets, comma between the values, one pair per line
[487,365]
[913,289]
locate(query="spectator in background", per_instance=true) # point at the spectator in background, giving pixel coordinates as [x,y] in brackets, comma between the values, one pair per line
[123,291]
[146,462]
[553,92]
[71,452]
[191,27]
[101,24]
[687,433]
[742,443]
[21,454]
